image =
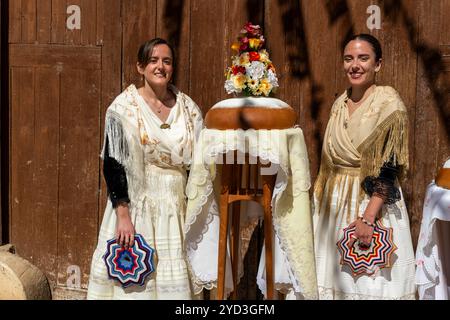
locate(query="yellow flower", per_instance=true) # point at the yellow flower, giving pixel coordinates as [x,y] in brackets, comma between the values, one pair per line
[265,87]
[254,43]
[238,81]
[244,59]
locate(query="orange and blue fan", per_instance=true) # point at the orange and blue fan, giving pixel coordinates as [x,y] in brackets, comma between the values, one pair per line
[367,259]
[129,266]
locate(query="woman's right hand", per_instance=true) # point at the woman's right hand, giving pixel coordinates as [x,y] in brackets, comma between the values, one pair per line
[124,227]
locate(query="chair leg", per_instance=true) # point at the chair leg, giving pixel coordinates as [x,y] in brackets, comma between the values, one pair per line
[235,245]
[267,197]
[223,232]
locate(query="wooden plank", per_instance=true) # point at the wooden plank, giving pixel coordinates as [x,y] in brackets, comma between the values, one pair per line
[44,18]
[444,115]
[173,24]
[44,197]
[317,91]
[59,17]
[206,52]
[402,50]
[276,45]
[426,134]
[52,56]
[111,77]
[100,21]
[15,21]
[21,160]
[88,22]
[443,83]
[79,171]
[29,32]
[139,25]
[339,14]
[388,40]
[445,22]
[73,36]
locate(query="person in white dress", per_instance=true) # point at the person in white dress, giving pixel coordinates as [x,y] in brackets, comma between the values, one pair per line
[433,246]
[149,136]
[364,155]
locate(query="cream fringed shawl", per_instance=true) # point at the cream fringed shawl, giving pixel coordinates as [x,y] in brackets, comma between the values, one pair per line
[359,145]
[135,137]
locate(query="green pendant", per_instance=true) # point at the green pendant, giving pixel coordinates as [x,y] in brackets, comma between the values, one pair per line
[165,126]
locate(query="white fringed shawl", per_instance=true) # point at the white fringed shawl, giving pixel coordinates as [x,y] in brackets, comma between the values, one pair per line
[135,136]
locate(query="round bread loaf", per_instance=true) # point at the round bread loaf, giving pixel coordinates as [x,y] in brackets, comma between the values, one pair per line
[250,113]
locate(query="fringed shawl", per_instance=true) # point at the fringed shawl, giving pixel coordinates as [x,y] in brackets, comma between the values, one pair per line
[135,136]
[359,145]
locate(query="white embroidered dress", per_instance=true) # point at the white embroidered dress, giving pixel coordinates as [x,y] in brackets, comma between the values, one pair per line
[355,147]
[155,162]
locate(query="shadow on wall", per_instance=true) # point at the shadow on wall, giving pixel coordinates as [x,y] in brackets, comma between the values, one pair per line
[430,57]
[173,21]
[294,27]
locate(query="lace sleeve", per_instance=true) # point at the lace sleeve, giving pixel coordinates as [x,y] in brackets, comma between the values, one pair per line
[116,179]
[383,186]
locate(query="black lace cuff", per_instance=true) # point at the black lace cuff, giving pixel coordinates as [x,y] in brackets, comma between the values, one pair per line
[116,179]
[383,186]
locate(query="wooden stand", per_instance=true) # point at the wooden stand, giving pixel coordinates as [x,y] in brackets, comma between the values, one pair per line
[235,187]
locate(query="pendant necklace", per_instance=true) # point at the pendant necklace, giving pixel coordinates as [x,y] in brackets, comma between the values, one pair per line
[164,125]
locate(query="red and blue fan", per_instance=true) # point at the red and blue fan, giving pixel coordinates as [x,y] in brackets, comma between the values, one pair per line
[367,259]
[129,266]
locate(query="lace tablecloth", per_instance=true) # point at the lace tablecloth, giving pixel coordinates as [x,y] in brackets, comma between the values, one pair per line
[294,265]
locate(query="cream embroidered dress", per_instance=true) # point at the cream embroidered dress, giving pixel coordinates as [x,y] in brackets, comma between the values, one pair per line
[356,147]
[155,162]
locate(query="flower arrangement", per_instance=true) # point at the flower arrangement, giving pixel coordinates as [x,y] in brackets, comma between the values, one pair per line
[252,73]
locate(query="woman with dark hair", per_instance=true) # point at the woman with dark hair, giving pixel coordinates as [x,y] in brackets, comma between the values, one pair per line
[149,136]
[364,155]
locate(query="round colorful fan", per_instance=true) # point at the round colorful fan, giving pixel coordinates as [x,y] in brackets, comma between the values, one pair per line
[129,266]
[368,260]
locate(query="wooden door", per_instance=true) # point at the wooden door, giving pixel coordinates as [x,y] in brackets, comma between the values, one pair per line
[58,89]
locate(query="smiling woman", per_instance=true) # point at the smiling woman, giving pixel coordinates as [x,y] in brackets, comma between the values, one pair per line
[365,151]
[149,136]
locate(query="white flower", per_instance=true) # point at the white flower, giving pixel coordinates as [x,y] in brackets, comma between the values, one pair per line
[229,86]
[272,78]
[255,70]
